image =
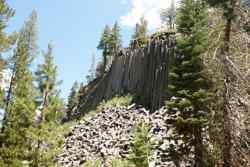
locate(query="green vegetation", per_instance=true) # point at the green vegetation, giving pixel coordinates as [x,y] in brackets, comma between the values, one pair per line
[190,87]
[140,34]
[72,99]
[120,163]
[96,163]
[116,102]
[31,133]
[110,43]
[142,146]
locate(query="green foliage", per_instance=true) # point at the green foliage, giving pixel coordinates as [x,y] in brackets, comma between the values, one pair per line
[116,101]
[6,13]
[189,83]
[55,109]
[2,97]
[15,145]
[46,73]
[115,37]
[120,163]
[140,34]
[105,40]
[23,144]
[47,83]
[47,140]
[142,146]
[96,163]
[110,42]
[72,99]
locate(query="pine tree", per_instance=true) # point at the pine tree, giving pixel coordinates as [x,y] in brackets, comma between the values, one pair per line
[49,112]
[115,37]
[110,42]
[104,45]
[46,77]
[19,115]
[72,99]
[189,86]
[140,33]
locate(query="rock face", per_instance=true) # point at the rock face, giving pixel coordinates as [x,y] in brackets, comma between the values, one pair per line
[109,133]
[139,70]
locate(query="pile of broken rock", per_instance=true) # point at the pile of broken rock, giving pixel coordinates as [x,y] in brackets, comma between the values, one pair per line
[108,134]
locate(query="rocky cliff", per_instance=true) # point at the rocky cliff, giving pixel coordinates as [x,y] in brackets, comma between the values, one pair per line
[142,71]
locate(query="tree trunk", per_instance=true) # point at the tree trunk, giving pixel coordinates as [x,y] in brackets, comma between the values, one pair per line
[227,146]
[226,150]
[198,147]
[45,102]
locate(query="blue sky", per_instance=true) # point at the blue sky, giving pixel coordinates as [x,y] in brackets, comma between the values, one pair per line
[75,27]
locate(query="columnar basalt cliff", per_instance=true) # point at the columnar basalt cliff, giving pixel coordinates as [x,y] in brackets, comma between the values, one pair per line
[141,71]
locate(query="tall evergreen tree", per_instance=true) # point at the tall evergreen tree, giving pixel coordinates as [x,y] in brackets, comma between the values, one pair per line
[73,96]
[110,42]
[72,99]
[49,112]
[189,86]
[115,37]
[140,33]
[104,45]
[46,77]
[14,141]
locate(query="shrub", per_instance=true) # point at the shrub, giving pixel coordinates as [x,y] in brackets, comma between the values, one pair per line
[95,163]
[115,102]
[142,146]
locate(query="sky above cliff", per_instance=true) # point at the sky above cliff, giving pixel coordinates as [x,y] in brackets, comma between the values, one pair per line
[74,28]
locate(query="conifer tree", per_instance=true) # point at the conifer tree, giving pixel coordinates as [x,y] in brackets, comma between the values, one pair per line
[140,33]
[49,111]
[14,141]
[73,98]
[46,77]
[115,37]
[110,42]
[189,86]
[104,45]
